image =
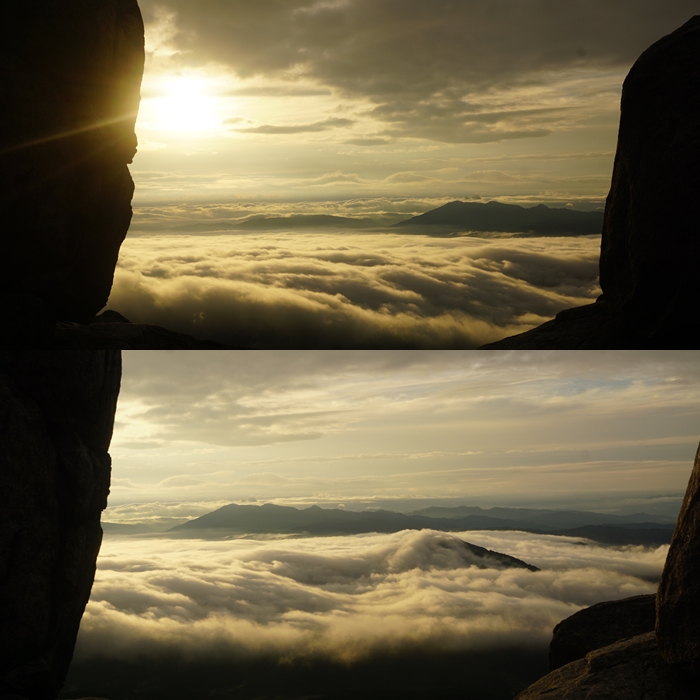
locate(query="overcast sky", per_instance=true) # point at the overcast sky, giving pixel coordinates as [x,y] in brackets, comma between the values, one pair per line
[328,99]
[595,429]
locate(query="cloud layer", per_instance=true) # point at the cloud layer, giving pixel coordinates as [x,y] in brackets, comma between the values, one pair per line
[345,598]
[343,290]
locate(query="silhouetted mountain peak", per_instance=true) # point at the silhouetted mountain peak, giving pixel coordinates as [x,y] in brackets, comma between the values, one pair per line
[460,216]
[317,521]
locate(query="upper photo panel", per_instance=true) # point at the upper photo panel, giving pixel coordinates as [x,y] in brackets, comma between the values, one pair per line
[350,174]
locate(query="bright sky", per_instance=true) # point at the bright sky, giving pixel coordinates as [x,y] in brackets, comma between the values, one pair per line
[335,99]
[565,429]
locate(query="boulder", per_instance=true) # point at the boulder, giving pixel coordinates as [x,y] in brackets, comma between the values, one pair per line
[678,597]
[650,246]
[56,418]
[627,670]
[70,75]
[599,626]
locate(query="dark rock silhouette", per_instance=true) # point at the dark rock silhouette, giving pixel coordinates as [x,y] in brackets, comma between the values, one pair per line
[627,670]
[650,248]
[664,663]
[70,76]
[599,626]
[112,330]
[70,73]
[57,413]
[678,598]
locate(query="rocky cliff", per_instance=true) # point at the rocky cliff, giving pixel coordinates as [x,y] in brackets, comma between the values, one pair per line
[56,418]
[650,248]
[612,651]
[70,76]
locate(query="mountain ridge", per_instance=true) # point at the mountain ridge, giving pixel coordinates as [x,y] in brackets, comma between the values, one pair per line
[315,521]
[507,218]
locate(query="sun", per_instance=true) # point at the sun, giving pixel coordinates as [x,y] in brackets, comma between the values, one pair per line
[182,104]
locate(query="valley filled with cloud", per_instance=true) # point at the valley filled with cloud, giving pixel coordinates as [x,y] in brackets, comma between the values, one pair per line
[344,289]
[340,600]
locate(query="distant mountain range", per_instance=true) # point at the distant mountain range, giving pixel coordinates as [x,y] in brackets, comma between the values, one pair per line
[455,217]
[507,218]
[236,519]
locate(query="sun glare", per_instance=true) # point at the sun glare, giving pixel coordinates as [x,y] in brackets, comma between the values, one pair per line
[184,105]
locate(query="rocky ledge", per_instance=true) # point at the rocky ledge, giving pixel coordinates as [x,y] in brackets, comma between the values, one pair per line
[112,330]
[629,669]
[25,322]
[641,647]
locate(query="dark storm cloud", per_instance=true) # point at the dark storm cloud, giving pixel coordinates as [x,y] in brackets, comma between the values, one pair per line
[429,68]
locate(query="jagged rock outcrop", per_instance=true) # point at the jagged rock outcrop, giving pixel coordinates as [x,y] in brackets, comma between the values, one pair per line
[599,626]
[627,670]
[70,76]
[663,664]
[650,248]
[56,418]
[678,597]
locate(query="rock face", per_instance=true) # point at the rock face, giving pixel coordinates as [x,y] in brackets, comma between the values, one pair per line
[70,75]
[650,248]
[661,664]
[627,670]
[599,626]
[591,327]
[56,417]
[678,598]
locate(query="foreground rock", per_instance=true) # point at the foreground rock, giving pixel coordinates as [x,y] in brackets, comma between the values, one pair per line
[25,323]
[111,330]
[591,327]
[70,73]
[650,248]
[599,626]
[637,667]
[56,418]
[678,597]
[627,670]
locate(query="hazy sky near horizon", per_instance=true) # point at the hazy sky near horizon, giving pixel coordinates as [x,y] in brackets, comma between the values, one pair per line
[601,429]
[335,99]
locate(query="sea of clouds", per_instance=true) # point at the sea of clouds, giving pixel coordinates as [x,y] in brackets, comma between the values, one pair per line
[342,289]
[345,598]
